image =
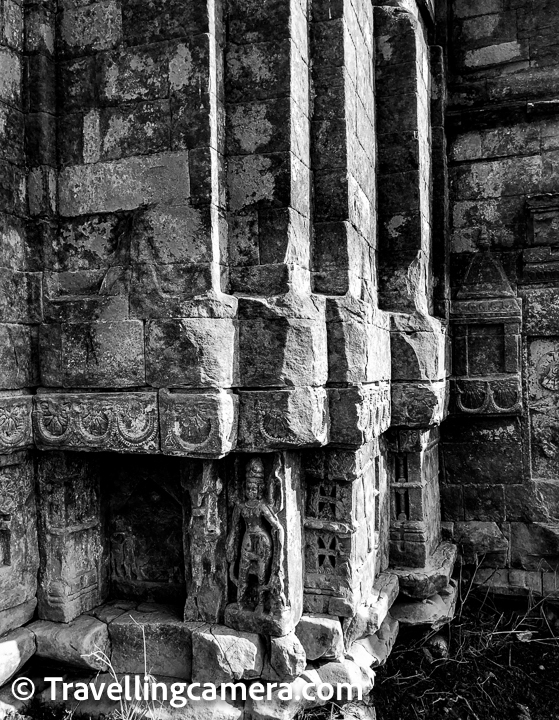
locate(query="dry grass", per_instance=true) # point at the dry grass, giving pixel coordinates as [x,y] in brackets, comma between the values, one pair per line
[502,662]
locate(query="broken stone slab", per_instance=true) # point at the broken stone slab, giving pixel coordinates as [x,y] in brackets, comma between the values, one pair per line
[481,541]
[433,612]
[157,640]
[370,616]
[112,610]
[321,636]
[154,710]
[380,645]
[421,583]
[15,650]
[347,672]
[17,616]
[73,643]
[279,706]
[221,655]
[287,659]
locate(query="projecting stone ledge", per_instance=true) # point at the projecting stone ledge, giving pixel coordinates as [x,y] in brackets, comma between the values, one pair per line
[421,583]
[433,612]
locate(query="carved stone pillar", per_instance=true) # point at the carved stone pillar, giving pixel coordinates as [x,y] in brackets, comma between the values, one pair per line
[19,557]
[73,570]
[205,533]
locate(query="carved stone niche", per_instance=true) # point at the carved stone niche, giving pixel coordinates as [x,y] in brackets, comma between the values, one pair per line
[486,320]
[264,548]
[143,499]
[541,257]
[341,528]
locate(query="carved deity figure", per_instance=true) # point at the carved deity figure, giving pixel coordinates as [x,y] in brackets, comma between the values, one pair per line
[261,546]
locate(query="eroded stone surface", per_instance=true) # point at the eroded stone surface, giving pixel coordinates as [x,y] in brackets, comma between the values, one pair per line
[158,640]
[16,648]
[321,636]
[75,643]
[220,654]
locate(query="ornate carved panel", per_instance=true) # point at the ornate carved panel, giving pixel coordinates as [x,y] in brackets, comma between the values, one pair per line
[264,550]
[15,422]
[275,419]
[198,424]
[126,422]
[19,557]
[486,322]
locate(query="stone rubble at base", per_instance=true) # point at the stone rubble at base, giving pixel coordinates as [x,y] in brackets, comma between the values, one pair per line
[279,332]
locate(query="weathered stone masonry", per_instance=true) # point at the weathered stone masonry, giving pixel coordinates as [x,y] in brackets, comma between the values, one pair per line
[278,328]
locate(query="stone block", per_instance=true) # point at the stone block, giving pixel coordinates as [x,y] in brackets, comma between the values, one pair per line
[20,294]
[370,615]
[125,422]
[90,28]
[16,648]
[198,424]
[124,184]
[509,582]
[15,422]
[97,354]
[18,356]
[380,645]
[275,419]
[346,672]
[17,616]
[418,348]
[159,641]
[287,659]
[282,341]
[321,637]
[417,404]
[535,546]
[73,643]
[220,655]
[172,290]
[490,448]
[358,414]
[424,582]
[433,612]
[358,342]
[191,352]
[171,234]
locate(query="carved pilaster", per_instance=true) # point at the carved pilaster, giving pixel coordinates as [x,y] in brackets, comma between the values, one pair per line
[264,548]
[204,532]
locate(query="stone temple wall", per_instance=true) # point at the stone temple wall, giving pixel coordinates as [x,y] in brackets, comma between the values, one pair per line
[499,447]
[277,327]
